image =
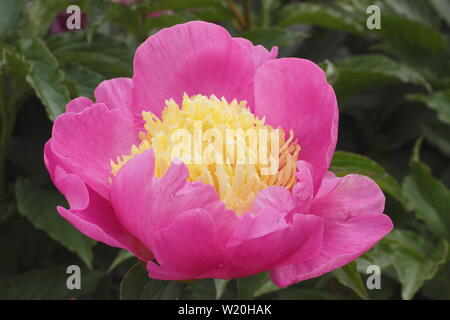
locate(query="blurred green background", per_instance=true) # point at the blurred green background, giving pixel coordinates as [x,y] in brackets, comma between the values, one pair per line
[393,88]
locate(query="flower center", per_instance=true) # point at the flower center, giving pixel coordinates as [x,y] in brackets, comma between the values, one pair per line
[222,144]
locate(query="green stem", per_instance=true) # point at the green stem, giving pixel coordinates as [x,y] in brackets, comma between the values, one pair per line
[247,4]
[265,10]
[237,15]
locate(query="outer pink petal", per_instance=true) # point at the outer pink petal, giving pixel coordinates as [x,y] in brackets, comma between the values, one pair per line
[93,215]
[256,252]
[145,204]
[115,93]
[265,239]
[259,53]
[196,58]
[78,104]
[294,94]
[351,208]
[343,242]
[85,142]
[187,249]
[351,195]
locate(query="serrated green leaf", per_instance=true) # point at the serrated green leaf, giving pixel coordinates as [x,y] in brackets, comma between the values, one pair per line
[45,77]
[428,197]
[415,259]
[350,277]
[39,207]
[346,163]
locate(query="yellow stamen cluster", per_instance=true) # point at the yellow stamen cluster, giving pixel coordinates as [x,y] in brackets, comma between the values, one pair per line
[237,165]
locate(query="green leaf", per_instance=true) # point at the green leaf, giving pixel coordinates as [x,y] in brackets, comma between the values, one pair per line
[254,286]
[10,14]
[428,197]
[350,277]
[359,73]
[346,163]
[202,289]
[136,285]
[322,15]
[83,79]
[45,77]
[47,284]
[415,259]
[438,101]
[122,256]
[413,43]
[274,36]
[39,207]
[438,134]
[414,10]
[104,55]
[220,286]
[41,15]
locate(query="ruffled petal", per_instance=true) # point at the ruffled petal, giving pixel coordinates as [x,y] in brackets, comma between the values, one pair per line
[115,93]
[348,197]
[146,204]
[93,216]
[351,208]
[84,143]
[78,104]
[194,58]
[294,94]
[343,242]
[265,239]
[259,53]
[187,249]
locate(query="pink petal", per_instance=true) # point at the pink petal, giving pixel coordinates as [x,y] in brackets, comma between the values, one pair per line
[85,142]
[343,242]
[294,94]
[265,239]
[261,248]
[92,215]
[145,204]
[303,191]
[196,58]
[259,53]
[187,248]
[78,104]
[115,93]
[351,195]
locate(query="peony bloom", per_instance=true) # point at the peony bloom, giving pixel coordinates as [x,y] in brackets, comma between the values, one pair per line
[113,160]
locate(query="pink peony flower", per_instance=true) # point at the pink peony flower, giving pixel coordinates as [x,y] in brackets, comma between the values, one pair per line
[189,220]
